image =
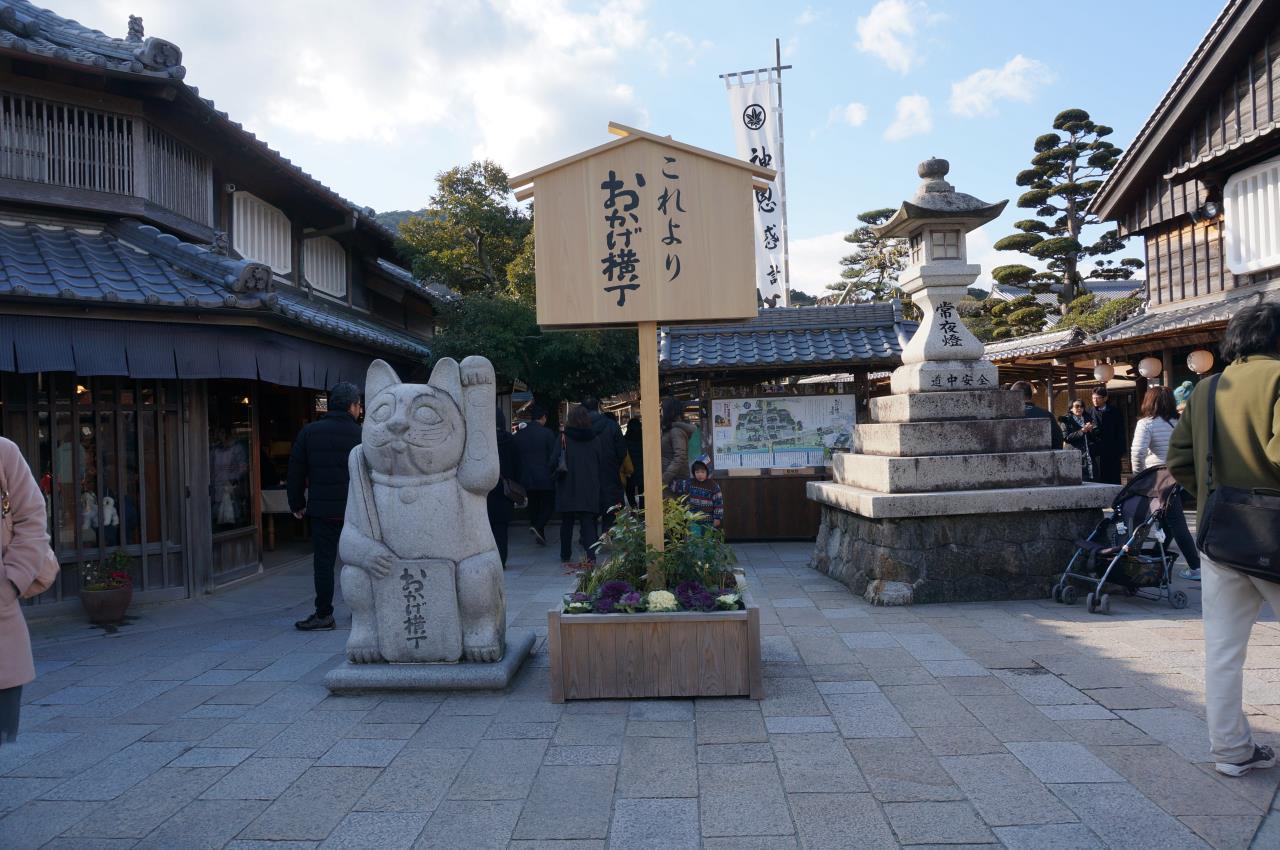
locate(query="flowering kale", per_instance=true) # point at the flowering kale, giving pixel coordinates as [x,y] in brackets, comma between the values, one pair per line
[604,605]
[631,599]
[614,590]
[579,597]
[694,597]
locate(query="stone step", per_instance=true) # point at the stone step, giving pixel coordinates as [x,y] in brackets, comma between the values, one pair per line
[970,437]
[873,505]
[947,406]
[932,473]
[944,376]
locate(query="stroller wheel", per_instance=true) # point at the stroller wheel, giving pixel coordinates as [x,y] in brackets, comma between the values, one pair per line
[1105,605]
[1057,593]
[1091,602]
[1178,599]
[1069,595]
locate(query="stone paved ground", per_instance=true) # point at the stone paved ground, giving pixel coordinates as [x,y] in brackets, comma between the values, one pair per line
[1029,725]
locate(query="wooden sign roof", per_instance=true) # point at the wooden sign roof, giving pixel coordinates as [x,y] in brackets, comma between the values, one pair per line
[643,229]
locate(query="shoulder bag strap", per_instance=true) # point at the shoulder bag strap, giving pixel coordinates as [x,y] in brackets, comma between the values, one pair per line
[1213,427]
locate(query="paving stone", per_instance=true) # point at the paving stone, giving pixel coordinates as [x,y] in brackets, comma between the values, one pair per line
[775,648]
[479,824]
[870,640]
[1076,712]
[1130,697]
[414,782]
[1235,832]
[816,763]
[1106,733]
[1003,791]
[930,647]
[552,844]
[660,728]
[311,737]
[361,752]
[657,767]
[589,730]
[90,844]
[258,779]
[867,716]
[292,667]
[1165,778]
[833,821]
[246,693]
[649,824]
[734,753]
[793,725]
[928,705]
[571,802]
[499,770]
[956,668]
[148,804]
[899,674]
[853,687]
[1012,718]
[402,711]
[449,731]
[396,731]
[1040,687]
[792,698]
[29,745]
[959,740]
[730,727]
[973,686]
[823,650]
[1181,731]
[37,822]
[188,729]
[744,842]
[203,825]
[15,791]
[585,755]
[1055,836]
[216,712]
[902,770]
[118,774]
[1058,761]
[660,710]
[313,805]
[80,752]
[244,735]
[1126,818]
[742,799]
[940,822]
[383,830]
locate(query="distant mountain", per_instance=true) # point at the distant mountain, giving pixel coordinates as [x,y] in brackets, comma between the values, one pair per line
[392,218]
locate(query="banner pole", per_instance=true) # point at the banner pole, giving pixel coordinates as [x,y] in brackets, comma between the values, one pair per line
[782,181]
[651,433]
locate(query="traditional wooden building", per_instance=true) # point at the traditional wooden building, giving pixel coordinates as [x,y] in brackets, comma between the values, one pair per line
[766,430]
[175,296]
[1200,183]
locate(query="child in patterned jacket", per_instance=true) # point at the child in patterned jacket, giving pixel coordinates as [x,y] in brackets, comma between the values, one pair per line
[703,493]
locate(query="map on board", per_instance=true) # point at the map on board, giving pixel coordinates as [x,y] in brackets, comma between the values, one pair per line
[780,432]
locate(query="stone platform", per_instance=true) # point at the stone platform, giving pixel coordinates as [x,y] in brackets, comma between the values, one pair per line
[954,557]
[350,678]
[877,505]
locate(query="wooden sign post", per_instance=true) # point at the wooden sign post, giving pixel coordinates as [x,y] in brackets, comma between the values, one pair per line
[642,231]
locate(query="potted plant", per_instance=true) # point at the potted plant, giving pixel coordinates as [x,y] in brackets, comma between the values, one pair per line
[646,623]
[107,588]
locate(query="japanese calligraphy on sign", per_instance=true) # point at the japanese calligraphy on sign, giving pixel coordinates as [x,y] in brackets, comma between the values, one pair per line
[644,229]
[948,323]
[415,621]
[753,103]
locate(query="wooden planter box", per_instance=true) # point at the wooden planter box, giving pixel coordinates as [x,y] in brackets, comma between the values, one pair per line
[684,654]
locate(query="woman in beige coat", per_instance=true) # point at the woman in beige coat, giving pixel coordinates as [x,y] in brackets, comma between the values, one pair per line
[22,508]
[675,443]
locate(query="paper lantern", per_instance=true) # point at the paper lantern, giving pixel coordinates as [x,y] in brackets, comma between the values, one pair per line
[1149,367]
[1104,372]
[1200,361]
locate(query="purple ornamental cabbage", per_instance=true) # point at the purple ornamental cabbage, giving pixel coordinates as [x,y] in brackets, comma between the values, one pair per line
[632,599]
[614,590]
[692,596]
[604,605]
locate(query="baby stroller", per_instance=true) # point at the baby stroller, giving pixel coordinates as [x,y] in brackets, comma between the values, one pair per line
[1127,549]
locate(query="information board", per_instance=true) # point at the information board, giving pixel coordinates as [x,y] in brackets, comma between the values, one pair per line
[780,432]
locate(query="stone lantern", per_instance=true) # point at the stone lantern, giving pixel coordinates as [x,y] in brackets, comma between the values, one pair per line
[951,492]
[944,354]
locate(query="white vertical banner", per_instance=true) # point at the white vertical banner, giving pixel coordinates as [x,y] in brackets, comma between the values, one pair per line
[757,128]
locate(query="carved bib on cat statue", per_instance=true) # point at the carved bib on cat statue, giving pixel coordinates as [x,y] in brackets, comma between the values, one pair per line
[420,569]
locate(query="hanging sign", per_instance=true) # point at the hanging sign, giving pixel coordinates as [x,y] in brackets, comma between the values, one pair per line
[753,107]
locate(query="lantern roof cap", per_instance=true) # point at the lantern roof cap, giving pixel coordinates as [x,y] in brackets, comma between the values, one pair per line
[937,200]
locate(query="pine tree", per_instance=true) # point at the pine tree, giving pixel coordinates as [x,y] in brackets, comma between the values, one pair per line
[1068,168]
[871,271]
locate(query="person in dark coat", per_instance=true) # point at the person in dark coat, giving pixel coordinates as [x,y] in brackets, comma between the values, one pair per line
[317,488]
[500,506]
[1031,411]
[613,451]
[1077,431]
[578,491]
[536,445]
[1113,437]
[635,448]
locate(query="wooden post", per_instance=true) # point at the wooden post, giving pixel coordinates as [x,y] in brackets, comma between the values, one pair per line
[1071,383]
[652,434]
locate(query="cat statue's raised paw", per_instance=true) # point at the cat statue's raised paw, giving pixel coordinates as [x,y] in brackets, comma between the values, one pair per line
[421,572]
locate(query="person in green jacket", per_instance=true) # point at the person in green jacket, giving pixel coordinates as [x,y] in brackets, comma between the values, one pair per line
[1246,455]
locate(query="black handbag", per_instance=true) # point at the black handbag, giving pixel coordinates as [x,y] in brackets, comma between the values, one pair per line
[1239,528]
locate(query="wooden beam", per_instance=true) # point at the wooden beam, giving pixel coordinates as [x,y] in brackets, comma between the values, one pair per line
[651,432]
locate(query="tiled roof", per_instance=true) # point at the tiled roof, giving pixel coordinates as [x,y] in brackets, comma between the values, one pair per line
[1194,315]
[436,293]
[1041,343]
[1105,290]
[27,28]
[127,263]
[801,337]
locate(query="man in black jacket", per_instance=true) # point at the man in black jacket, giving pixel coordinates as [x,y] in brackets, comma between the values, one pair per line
[1113,437]
[318,481]
[1031,411]
[536,446]
[613,451]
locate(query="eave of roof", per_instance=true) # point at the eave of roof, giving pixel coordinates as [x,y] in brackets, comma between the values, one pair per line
[1141,157]
[1025,346]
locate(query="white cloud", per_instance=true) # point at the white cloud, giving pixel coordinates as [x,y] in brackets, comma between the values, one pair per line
[815,261]
[890,30]
[912,117]
[675,48]
[807,16]
[853,114]
[1018,80]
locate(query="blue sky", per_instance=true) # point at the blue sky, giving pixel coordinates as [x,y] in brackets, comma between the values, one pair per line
[374,99]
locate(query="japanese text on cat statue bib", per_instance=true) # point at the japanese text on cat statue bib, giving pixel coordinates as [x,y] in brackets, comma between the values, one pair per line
[420,569]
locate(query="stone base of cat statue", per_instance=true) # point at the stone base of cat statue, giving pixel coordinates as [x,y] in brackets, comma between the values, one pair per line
[421,572]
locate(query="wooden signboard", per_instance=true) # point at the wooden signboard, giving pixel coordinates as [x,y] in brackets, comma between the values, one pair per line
[639,231]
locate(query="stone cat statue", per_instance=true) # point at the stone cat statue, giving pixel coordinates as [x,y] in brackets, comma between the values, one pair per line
[420,569]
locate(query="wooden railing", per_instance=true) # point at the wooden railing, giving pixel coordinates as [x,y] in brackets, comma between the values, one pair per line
[60,144]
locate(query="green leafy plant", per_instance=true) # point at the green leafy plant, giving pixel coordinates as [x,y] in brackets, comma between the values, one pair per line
[693,552]
[110,573]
